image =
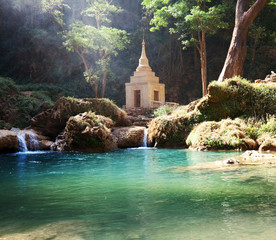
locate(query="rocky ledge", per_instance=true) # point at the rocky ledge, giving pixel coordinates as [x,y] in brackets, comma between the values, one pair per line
[88,132]
[15,140]
[129,136]
[52,122]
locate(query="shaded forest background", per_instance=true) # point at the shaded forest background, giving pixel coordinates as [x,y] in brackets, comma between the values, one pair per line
[32,53]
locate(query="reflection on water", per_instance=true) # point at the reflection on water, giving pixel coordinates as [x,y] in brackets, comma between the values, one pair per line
[130,194]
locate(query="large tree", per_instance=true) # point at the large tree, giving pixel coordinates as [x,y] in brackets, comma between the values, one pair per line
[245,16]
[192,20]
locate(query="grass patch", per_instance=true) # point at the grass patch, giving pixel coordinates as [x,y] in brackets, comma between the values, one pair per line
[164,110]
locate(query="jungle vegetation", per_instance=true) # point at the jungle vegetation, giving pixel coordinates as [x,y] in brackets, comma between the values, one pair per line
[36,37]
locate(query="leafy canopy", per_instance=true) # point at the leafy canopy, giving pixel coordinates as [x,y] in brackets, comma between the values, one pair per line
[97,38]
[85,38]
[186,18]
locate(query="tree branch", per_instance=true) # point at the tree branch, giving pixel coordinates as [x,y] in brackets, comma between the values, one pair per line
[254,10]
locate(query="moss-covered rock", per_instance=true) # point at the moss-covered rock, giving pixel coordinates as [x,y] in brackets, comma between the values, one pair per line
[86,132]
[226,134]
[230,99]
[169,131]
[236,97]
[52,122]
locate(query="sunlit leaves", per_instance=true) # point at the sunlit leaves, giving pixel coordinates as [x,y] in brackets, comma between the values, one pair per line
[81,38]
[85,38]
[188,17]
[101,9]
[208,21]
[113,39]
[98,40]
[55,8]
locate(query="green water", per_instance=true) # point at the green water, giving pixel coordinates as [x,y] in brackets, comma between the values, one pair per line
[133,194]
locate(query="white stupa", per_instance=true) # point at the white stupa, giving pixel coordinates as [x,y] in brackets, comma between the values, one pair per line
[144,89]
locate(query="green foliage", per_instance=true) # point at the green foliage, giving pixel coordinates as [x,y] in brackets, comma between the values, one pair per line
[55,8]
[189,17]
[269,126]
[66,107]
[255,127]
[7,87]
[192,22]
[232,134]
[233,98]
[163,110]
[226,134]
[98,40]
[5,125]
[85,38]
[236,97]
[16,108]
[46,91]
[100,8]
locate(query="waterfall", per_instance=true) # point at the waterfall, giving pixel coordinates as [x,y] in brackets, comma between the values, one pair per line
[34,145]
[145,138]
[22,146]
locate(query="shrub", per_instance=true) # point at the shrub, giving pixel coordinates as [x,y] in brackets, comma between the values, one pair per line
[226,134]
[269,126]
[163,110]
[8,87]
[51,91]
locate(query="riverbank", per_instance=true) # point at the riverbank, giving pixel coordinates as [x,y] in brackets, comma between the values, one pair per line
[235,115]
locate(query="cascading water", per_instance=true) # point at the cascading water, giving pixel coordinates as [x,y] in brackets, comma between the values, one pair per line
[22,143]
[22,146]
[34,145]
[145,138]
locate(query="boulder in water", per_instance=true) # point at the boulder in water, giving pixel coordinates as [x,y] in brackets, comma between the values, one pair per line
[129,136]
[86,132]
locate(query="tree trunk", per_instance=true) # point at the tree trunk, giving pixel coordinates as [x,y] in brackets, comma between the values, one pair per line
[94,84]
[233,65]
[104,79]
[203,60]
[103,55]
